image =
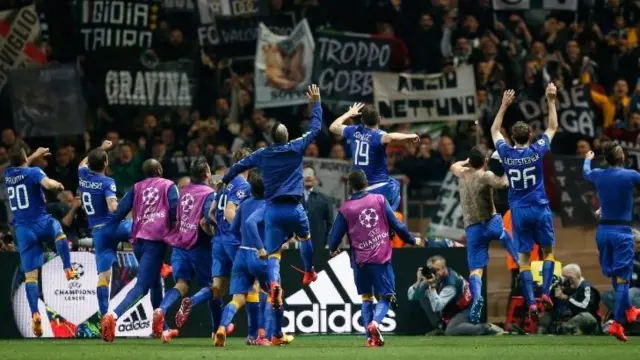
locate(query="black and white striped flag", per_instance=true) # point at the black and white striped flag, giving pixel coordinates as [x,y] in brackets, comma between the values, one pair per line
[568,5]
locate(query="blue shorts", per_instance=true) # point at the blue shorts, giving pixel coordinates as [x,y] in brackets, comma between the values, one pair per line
[150,255]
[478,238]
[195,260]
[106,240]
[374,279]
[31,238]
[282,219]
[390,190]
[246,270]
[533,224]
[616,250]
[222,256]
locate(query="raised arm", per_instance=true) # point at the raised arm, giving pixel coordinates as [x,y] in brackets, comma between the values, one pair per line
[40,152]
[391,137]
[106,145]
[243,165]
[495,181]
[300,144]
[507,99]
[125,206]
[586,168]
[552,127]
[51,184]
[460,167]
[337,126]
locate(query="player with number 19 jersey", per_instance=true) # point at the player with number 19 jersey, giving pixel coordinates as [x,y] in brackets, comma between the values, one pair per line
[533,220]
[369,155]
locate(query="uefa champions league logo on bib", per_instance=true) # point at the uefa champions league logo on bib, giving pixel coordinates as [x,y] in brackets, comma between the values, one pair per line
[368,218]
[150,196]
[187,202]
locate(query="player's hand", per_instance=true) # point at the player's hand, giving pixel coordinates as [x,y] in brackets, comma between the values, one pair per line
[419,241]
[598,212]
[508,97]
[42,152]
[354,110]
[59,187]
[432,281]
[551,92]
[419,277]
[106,145]
[415,138]
[590,155]
[334,253]
[76,203]
[314,93]
[262,254]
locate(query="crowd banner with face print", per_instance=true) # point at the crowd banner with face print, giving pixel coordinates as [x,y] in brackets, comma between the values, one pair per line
[344,63]
[414,98]
[19,38]
[47,101]
[231,27]
[567,5]
[448,222]
[117,24]
[329,175]
[284,67]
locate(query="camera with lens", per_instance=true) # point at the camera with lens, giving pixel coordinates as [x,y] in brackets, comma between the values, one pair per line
[427,272]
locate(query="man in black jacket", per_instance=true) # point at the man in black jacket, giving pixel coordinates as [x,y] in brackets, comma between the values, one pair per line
[575,309]
[319,209]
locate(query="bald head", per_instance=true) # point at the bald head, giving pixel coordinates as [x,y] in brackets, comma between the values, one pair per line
[280,133]
[151,168]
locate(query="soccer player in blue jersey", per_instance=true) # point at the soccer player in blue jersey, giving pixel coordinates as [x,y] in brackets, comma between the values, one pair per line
[99,201]
[224,248]
[32,224]
[281,168]
[532,218]
[614,236]
[368,146]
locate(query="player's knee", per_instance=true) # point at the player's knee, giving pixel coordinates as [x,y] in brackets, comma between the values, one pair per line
[547,253]
[620,280]
[104,278]
[368,297]
[276,255]
[477,272]
[253,297]
[31,276]
[61,237]
[524,259]
[182,286]
[303,238]
[239,300]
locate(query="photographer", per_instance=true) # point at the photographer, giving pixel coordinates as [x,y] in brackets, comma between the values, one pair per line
[448,295]
[575,309]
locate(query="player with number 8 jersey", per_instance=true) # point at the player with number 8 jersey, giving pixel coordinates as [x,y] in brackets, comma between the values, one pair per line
[368,145]
[98,195]
[532,218]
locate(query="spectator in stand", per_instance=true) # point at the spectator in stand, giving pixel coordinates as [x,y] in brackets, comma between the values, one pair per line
[66,210]
[159,152]
[126,168]
[10,139]
[425,50]
[582,148]
[150,129]
[244,139]
[443,158]
[262,126]
[319,209]
[613,107]
[312,151]
[337,152]
[64,170]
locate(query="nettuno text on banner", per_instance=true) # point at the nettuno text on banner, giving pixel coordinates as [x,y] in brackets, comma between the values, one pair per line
[329,175]
[415,98]
[19,37]
[344,63]
[284,67]
[448,221]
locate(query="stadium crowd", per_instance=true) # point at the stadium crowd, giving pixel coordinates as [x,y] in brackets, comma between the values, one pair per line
[597,47]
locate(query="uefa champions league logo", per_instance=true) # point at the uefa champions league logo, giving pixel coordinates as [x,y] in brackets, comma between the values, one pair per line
[368,218]
[187,202]
[150,197]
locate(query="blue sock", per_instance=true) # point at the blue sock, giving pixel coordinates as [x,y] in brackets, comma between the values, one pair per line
[131,298]
[527,287]
[215,308]
[547,276]
[155,294]
[170,298]
[33,294]
[62,247]
[205,294]
[622,302]
[273,269]
[262,305]
[508,244]
[253,313]
[278,315]
[475,283]
[228,313]
[367,315]
[306,252]
[103,299]
[268,324]
[381,310]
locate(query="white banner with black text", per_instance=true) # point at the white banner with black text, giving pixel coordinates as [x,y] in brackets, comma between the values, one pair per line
[329,175]
[415,98]
[448,222]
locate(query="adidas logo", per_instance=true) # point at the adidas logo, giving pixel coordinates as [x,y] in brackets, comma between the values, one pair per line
[334,304]
[136,321]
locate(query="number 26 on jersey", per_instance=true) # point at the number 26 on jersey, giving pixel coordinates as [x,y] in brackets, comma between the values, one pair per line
[521,179]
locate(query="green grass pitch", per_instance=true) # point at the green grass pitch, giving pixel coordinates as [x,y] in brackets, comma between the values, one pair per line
[333,347]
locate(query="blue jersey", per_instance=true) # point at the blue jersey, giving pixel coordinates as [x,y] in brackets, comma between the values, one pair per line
[368,152]
[524,170]
[95,189]
[615,190]
[26,198]
[237,190]
[249,206]
[281,165]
